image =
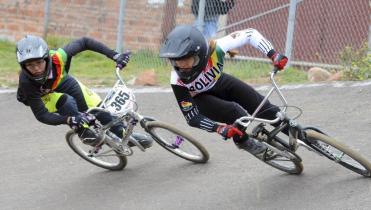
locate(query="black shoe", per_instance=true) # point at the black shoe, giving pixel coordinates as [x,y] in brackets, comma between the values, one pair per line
[143,139]
[256,148]
[251,145]
[88,136]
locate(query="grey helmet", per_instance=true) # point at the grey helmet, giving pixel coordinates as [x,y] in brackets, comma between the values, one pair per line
[184,41]
[33,47]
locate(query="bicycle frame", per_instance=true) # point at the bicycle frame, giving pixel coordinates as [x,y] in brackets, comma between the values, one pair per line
[128,114]
[121,104]
[295,130]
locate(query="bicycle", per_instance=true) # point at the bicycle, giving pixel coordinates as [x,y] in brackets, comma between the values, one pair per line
[112,151]
[311,138]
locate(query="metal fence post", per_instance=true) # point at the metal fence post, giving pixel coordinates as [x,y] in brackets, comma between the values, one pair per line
[120,27]
[369,38]
[46,18]
[290,30]
[201,15]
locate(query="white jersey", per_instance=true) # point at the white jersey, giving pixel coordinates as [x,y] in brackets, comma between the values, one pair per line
[210,75]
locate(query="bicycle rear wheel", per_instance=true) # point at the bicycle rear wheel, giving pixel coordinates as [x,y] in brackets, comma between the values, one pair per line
[338,152]
[104,157]
[177,142]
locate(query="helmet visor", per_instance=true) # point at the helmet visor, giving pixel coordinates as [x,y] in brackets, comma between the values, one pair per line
[185,62]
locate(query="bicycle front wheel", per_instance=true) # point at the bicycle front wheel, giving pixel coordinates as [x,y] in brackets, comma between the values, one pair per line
[338,152]
[177,142]
[284,159]
[104,156]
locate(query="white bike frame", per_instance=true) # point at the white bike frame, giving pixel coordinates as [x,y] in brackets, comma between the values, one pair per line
[294,127]
[120,102]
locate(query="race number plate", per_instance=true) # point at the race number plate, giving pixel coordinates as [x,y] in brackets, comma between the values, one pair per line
[120,100]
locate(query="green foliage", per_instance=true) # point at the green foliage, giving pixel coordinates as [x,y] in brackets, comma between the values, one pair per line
[9,67]
[258,72]
[56,42]
[356,62]
[145,60]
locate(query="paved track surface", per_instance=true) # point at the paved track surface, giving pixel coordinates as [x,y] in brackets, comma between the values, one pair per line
[39,171]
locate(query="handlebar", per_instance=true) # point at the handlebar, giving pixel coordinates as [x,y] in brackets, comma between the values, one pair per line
[118,75]
[247,120]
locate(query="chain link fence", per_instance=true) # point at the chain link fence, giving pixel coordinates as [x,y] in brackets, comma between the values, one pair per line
[311,32]
[320,30]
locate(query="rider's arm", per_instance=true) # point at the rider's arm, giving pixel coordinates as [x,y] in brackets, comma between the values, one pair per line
[190,110]
[248,36]
[33,98]
[86,43]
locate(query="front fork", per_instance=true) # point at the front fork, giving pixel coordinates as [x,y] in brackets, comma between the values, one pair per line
[133,118]
[298,137]
[295,134]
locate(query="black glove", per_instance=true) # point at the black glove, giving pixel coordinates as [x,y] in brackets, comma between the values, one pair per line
[82,120]
[122,59]
[228,131]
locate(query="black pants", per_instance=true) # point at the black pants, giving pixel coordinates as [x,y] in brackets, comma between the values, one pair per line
[230,99]
[73,101]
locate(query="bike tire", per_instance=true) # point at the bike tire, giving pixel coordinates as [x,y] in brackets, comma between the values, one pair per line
[167,136]
[73,142]
[336,152]
[291,165]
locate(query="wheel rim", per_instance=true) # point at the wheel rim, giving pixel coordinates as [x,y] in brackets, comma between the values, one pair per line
[103,156]
[177,143]
[339,157]
[283,163]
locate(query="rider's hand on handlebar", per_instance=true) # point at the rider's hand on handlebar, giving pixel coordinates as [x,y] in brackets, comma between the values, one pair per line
[279,60]
[228,131]
[81,120]
[122,59]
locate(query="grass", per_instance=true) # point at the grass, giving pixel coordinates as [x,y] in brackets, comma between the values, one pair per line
[95,70]
[9,67]
[257,72]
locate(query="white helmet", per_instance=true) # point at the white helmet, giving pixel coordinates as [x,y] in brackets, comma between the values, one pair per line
[33,47]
